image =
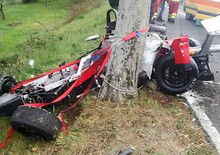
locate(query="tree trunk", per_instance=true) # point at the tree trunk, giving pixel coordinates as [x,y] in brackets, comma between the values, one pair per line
[1,11]
[122,71]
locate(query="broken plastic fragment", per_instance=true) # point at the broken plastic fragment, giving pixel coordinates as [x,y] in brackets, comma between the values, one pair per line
[93,37]
[31,63]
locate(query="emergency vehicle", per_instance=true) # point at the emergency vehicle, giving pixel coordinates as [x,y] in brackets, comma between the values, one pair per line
[201,9]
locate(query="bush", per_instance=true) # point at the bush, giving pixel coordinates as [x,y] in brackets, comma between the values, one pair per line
[29,1]
[81,6]
[9,1]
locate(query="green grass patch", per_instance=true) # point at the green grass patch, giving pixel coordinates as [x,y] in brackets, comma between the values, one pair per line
[33,31]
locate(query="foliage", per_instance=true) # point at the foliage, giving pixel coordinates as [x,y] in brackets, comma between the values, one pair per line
[8,1]
[2,11]
[30,33]
[36,36]
[29,1]
[81,6]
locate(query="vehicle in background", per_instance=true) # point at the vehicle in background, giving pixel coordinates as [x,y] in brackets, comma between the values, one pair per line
[201,9]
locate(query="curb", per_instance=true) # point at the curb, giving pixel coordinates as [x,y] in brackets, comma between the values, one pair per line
[214,136]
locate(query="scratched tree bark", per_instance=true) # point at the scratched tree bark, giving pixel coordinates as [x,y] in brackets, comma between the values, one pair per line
[122,71]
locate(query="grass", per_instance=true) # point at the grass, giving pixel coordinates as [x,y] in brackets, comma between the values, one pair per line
[152,124]
[22,20]
[42,36]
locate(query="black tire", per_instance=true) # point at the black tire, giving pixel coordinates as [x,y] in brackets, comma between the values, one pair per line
[175,78]
[35,123]
[189,17]
[6,83]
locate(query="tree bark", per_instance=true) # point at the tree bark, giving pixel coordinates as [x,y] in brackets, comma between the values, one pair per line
[122,71]
[1,11]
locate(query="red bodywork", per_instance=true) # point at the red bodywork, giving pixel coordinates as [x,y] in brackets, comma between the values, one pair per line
[180,46]
[92,71]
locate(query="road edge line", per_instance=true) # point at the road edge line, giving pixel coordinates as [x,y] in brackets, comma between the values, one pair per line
[203,119]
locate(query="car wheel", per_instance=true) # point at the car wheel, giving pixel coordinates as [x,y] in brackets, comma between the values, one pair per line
[6,83]
[175,78]
[35,123]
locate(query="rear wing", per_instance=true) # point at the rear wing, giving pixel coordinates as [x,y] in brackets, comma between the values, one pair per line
[212,25]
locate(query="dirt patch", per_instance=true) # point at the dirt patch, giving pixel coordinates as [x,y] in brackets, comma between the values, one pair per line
[79,7]
[154,123]
[151,124]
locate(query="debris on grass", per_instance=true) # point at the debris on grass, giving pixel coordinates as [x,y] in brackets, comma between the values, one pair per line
[93,37]
[151,124]
[31,63]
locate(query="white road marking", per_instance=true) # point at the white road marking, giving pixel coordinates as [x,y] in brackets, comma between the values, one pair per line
[203,119]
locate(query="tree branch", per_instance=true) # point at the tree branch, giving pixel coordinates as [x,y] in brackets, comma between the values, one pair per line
[1,11]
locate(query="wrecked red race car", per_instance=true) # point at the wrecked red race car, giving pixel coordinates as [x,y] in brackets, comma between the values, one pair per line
[175,64]
[34,104]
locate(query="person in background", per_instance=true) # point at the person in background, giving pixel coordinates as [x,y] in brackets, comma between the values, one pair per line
[151,10]
[156,6]
[162,7]
[173,9]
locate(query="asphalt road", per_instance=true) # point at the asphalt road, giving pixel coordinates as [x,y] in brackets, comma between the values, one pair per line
[209,91]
